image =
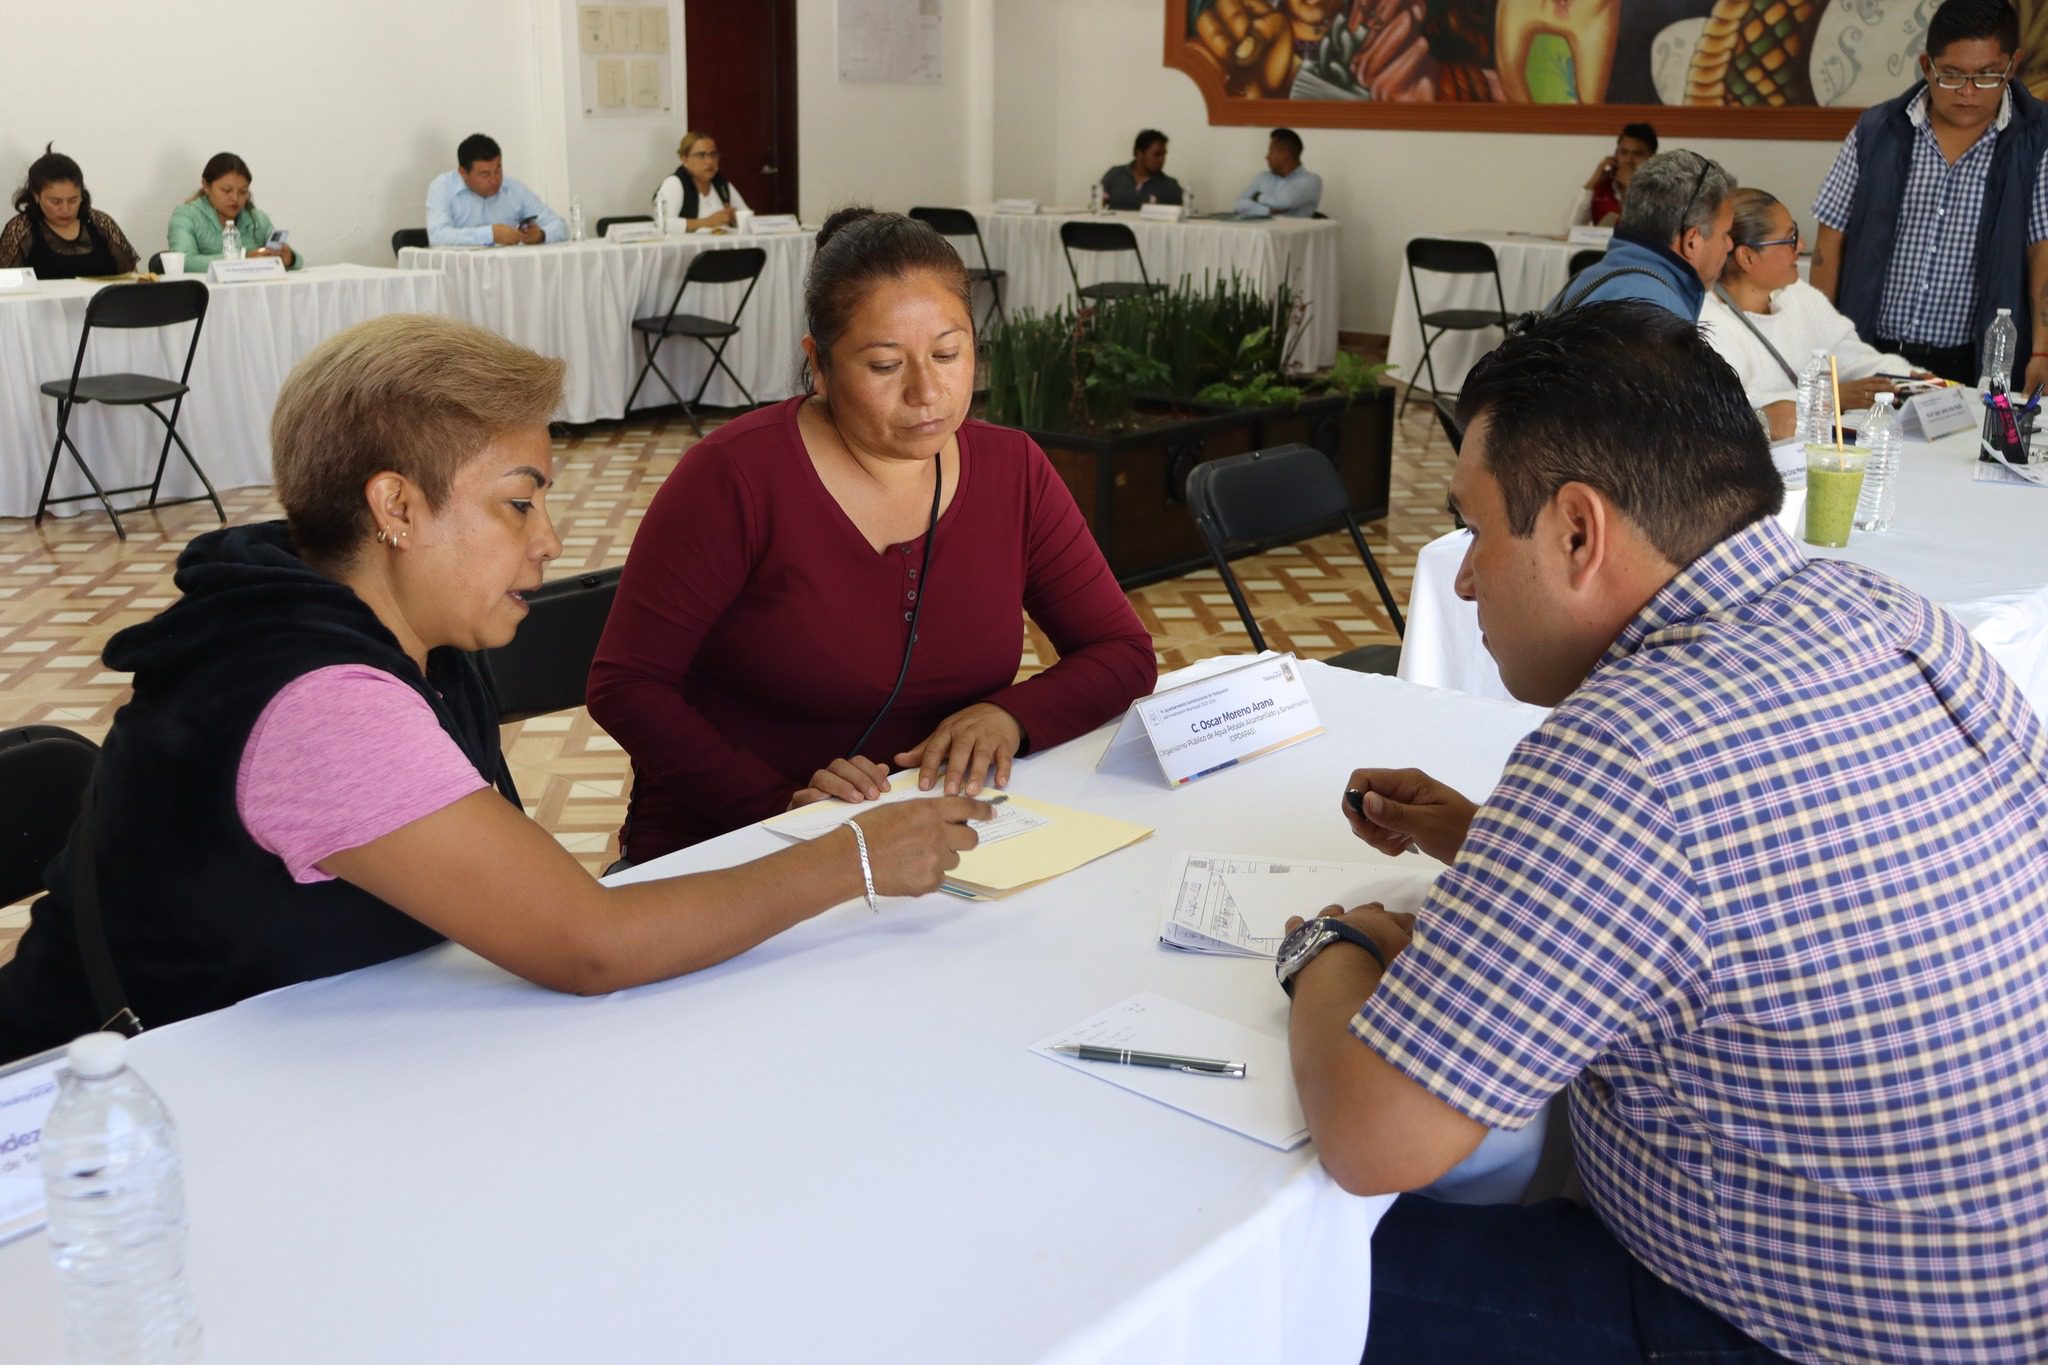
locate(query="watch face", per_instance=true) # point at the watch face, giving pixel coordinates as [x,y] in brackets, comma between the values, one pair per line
[1297,943]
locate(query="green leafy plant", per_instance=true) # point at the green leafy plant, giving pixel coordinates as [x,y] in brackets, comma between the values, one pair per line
[1116,375]
[1352,375]
[1260,391]
[1031,378]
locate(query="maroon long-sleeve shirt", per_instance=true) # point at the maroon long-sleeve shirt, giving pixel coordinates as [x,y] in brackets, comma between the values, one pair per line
[756,631]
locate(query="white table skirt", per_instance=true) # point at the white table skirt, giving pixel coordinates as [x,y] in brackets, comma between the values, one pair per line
[1975,548]
[252,336]
[1301,249]
[578,300]
[835,1147]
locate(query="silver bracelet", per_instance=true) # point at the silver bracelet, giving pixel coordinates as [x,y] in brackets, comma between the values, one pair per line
[867,870]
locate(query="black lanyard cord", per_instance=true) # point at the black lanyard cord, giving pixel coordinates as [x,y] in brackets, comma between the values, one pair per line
[924,583]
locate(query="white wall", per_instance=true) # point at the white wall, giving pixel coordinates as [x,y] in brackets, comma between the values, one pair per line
[1078,108]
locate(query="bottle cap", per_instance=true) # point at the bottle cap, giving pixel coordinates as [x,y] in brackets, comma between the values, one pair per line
[97,1056]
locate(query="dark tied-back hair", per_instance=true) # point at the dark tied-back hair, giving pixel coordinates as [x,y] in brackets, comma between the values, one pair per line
[1629,399]
[859,248]
[1145,141]
[476,147]
[1958,21]
[1289,139]
[1643,133]
[220,164]
[51,168]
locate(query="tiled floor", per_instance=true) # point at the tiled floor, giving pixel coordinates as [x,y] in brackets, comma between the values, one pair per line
[66,587]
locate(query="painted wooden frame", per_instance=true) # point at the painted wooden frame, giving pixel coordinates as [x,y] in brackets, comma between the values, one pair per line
[1789,69]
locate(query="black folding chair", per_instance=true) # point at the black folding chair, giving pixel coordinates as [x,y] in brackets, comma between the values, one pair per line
[604,225]
[131,307]
[715,266]
[44,770]
[1282,493]
[156,262]
[406,237]
[1581,259]
[1451,256]
[547,664]
[1085,235]
[1447,417]
[960,223]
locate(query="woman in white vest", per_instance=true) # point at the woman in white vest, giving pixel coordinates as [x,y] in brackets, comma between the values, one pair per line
[1766,322]
[698,194]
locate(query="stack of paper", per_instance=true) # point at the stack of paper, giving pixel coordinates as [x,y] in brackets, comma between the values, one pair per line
[1027,842]
[1238,905]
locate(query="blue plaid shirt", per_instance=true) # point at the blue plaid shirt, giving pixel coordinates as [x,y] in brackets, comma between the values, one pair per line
[1769,895]
[1931,287]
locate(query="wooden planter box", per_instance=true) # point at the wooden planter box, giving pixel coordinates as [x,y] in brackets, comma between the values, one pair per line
[1132,488]
[1358,437]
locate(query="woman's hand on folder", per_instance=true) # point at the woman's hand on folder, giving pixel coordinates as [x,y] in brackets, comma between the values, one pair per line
[967,745]
[913,844]
[847,779]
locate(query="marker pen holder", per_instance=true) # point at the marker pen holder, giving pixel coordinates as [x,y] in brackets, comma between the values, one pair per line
[2009,436]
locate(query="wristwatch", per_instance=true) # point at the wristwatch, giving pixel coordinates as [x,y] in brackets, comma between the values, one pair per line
[1300,948]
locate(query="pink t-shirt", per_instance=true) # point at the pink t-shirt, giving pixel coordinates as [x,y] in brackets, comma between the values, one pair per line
[343,756]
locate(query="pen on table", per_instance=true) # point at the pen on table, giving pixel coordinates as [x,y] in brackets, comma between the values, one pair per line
[1163,1061]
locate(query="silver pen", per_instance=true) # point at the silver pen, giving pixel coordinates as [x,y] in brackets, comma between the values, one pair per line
[1164,1061]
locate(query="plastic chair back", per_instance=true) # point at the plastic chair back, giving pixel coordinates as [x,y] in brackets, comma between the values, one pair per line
[406,237]
[948,222]
[1581,259]
[604,225]
[1087,236]
[1451,256]
[547,664]
[44,770]
[726,266]
[163,304]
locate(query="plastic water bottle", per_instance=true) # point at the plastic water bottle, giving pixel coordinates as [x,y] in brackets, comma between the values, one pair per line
[2001,339]
[1880,436]
[661,214]
[576,220]
[117,1213]
[1095,197]
[1187,199]
[1816,404]
[231,242]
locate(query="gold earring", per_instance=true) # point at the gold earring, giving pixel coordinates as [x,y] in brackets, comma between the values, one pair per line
[382,535]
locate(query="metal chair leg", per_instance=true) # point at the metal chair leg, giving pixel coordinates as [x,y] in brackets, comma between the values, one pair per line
[56,454]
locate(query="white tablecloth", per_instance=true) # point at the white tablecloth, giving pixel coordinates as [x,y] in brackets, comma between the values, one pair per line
[252,336]
[577,300]
[1303,250]
[1978,549]
[835,1147]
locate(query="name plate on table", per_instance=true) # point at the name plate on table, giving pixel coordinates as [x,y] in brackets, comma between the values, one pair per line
[633,232]
[1939,412]
[1163,213]
[1016,206]
[17,277]
[248,268]
[776,222]
[1587,235]
[27,1090]
[1222,719]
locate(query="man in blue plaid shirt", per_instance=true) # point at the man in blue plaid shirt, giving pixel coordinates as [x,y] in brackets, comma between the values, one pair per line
[1935,214]
[1766,896]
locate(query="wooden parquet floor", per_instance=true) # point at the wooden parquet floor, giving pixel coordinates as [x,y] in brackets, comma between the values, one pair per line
[68,585]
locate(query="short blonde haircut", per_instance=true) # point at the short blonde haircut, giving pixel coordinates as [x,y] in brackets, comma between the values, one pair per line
[690,139]
[412,393]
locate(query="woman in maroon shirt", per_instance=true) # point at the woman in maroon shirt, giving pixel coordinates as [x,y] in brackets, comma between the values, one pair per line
[755,658]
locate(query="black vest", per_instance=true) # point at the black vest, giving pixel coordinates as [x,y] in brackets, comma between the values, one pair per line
[1884,154]
[689,184]
[198,916]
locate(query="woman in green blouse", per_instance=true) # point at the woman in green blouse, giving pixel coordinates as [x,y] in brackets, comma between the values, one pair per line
[223,197]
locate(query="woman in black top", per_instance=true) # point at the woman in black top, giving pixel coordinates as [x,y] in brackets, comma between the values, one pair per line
[55,229]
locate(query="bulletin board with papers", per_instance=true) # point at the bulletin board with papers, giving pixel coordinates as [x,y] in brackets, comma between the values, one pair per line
[626,58]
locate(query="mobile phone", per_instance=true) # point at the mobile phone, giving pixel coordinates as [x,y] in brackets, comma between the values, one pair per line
[278,237]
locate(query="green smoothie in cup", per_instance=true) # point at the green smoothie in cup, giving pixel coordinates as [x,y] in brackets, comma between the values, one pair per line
[1834,480]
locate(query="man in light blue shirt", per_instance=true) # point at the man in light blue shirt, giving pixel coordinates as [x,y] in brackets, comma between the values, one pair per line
[478,206]
[1284,189]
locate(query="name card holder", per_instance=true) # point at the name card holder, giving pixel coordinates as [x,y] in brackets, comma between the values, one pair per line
[633,232]
[248,268]
[776,222]
[1162,213]
[17,277]
[1939,412]
[1016,206]
[27,1090]
[1222,719]
[1588,235]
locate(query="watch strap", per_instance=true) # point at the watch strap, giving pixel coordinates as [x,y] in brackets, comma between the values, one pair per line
[1330,931]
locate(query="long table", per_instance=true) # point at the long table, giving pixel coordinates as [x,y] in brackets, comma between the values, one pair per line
[254,332]
[834,1147]
[1975,548]
[1301,250]
[578,300]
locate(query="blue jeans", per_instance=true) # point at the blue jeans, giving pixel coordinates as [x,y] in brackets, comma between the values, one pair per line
[1529,1285]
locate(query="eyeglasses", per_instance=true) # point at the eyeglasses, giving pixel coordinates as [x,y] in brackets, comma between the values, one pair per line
[708,156]
[1697,186]
[1983,80]
[1793,240]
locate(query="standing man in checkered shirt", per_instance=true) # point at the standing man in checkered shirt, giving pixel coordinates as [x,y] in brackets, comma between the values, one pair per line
[1935,215]
[1765,895]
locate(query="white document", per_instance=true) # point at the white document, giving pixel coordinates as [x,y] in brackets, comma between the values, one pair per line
[1016,206]
[17,277]
[593,29]
[1261,1104]
[645,81]
[822,817]
[27,1090]
[1238,905]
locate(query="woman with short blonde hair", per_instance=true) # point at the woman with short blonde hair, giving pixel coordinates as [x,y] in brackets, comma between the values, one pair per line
[308,778]
[698,195]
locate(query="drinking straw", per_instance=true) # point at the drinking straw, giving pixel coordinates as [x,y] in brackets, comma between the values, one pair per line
[1835,378]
